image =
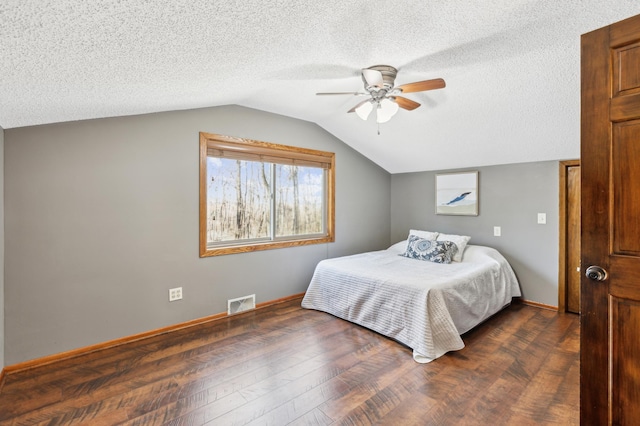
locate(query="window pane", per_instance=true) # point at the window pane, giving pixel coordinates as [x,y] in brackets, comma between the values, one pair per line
[238,200]
[299,200]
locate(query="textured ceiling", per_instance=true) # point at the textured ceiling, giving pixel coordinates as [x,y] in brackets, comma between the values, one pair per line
[511,67]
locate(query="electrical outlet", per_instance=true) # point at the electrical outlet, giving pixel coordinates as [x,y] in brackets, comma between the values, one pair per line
[175,294]
[497,231]
[542,218]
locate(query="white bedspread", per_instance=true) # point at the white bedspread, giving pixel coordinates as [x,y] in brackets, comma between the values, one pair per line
[421,304]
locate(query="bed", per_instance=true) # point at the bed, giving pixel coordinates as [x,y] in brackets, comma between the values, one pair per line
[421,304]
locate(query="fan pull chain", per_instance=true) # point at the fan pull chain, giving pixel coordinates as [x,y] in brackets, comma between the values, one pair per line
[378,128]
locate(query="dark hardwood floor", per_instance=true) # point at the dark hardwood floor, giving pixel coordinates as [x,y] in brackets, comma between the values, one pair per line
[285,365]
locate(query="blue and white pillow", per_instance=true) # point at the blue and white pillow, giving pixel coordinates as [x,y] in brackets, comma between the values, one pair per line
[433,251]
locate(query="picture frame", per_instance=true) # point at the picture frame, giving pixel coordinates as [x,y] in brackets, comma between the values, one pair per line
[457,193]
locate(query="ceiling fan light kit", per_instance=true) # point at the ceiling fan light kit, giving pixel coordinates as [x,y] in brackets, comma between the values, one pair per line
[386,109]
[364,109]
[379,83]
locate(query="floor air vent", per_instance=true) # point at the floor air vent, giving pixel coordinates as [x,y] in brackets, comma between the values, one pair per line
[241,304]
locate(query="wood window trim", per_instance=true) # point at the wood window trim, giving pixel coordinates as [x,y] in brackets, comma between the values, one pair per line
[287,155]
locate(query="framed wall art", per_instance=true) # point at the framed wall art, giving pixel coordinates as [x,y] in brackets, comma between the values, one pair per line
[457,193]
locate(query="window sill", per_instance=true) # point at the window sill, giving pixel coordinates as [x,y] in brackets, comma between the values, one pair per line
[223,250]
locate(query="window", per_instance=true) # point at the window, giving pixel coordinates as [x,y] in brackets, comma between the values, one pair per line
[258,195]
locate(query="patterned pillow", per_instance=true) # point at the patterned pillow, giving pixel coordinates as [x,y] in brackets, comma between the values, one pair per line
[433,251]
[459,240]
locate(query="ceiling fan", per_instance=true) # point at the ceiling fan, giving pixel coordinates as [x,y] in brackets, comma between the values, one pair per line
[384,96]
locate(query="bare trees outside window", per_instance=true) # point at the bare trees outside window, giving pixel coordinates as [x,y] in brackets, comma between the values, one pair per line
[257,195]
[238,200]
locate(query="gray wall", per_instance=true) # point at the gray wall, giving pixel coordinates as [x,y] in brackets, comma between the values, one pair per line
[102,219]
[510,196]
[1,249]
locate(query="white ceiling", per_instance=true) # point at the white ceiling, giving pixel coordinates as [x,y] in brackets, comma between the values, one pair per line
[511,67]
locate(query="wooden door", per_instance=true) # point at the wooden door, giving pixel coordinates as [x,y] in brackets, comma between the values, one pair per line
[569,248]
[610,159]
[573,239]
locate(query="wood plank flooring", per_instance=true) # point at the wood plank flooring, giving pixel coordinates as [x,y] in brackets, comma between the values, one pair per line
[283,365]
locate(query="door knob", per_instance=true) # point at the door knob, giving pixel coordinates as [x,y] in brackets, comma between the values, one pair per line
[596,273]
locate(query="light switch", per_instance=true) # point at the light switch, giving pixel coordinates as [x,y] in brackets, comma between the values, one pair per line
[542,218]
[497,231]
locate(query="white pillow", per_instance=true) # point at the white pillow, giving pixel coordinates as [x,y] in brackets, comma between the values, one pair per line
[459,240]
[427,235]
[399,247]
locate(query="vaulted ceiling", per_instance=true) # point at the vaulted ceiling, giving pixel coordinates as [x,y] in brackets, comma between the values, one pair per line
[512,68]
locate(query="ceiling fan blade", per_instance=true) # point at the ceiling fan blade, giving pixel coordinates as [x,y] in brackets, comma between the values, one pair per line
[341,93]
[373,77]
[405,103]
[421,86]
